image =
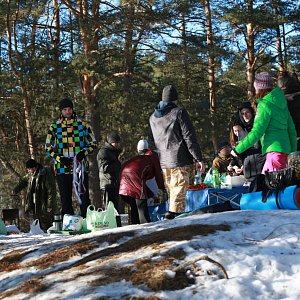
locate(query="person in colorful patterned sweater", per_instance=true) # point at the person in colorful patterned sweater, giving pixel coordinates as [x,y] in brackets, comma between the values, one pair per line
[70,138]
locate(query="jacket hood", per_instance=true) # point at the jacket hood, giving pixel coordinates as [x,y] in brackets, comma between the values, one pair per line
[246,125]
[112,148]
[276,97]
[163,108]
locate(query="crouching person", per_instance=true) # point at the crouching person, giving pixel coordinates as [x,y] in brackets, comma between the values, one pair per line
[40,192]
[133,176]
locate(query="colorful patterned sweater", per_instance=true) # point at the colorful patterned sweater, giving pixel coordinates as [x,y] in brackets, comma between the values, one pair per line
[67,138]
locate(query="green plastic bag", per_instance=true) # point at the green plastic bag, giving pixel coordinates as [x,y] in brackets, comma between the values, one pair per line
[209,178]
[3,230]
[223,177]
[97,220]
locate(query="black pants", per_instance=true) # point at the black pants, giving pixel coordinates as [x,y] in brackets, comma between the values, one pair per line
[138,209]
[111,194]
[65,185]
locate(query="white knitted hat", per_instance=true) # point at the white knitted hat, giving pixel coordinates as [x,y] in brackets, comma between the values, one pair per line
[142,145]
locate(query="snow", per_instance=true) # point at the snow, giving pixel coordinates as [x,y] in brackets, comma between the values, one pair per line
[259,251]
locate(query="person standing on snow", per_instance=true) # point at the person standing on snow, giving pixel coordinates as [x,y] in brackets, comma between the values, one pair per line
[109,169]
[133,182]
[69,139]
[40,192]
[171,132]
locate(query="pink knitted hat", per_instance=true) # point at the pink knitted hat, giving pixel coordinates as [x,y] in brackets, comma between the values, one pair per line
[263,81]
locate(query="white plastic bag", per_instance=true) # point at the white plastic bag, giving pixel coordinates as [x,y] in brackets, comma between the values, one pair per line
[35,227]
[50,228]
[71,222]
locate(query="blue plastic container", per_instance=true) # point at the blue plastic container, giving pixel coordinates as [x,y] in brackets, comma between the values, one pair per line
[157,211]
[289,198]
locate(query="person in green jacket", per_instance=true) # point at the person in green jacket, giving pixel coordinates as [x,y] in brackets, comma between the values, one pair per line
[273,125]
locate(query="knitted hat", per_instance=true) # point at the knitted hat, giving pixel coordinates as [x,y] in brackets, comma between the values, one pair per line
[263,81]
[113,137]
[65,103]
[169,94]
[142,145]
[31,163]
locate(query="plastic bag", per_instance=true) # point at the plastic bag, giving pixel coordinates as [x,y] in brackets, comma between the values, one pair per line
[209,178]
[3,230]
[35,227]
[280,179]
[71,222]
[99,220]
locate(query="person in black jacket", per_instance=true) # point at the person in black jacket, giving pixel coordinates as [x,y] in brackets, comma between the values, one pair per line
[290,85]
[172,133]
[253,160]
[109,168]
[40,192]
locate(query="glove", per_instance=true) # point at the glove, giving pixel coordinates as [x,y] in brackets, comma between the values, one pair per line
[80,156]
[66,161]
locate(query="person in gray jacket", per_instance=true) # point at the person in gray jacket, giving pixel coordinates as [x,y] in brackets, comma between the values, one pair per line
[172,133]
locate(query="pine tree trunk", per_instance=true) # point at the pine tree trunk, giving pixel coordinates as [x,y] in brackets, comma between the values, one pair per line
[211,74]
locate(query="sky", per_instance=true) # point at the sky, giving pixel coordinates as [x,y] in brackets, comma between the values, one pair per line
[185,258]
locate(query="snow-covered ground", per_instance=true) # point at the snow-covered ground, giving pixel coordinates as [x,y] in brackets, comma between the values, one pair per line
[186,258]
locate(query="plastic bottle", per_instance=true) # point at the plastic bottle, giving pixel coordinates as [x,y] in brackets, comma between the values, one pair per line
[197,179]
[216,179]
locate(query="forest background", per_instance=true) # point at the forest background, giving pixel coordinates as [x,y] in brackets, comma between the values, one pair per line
[113,59]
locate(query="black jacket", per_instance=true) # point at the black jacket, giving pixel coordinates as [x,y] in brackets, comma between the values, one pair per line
[109,167]
[42,184]
[173,135]
[293,101]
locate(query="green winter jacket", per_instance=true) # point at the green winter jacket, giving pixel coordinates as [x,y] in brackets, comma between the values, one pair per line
[273,126]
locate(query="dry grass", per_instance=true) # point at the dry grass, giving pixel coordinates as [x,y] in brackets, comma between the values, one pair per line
[30,287]
[148,272]
[11,261]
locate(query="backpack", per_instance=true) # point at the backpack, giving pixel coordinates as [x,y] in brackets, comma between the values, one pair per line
[273,182]
[253,165]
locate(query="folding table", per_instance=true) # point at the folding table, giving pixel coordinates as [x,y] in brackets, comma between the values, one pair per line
[200,198]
